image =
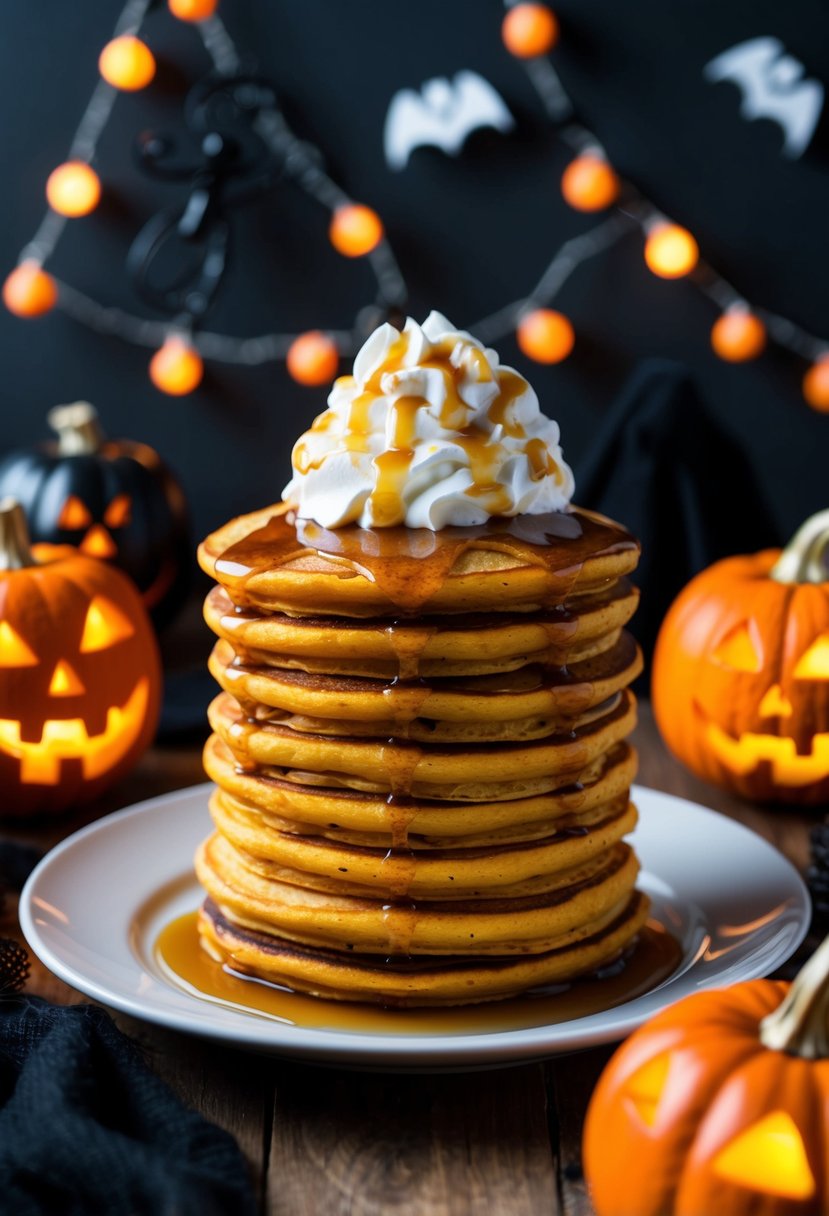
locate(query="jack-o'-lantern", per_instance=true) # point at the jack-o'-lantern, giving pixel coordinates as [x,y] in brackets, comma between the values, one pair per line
[80,675]
[114,500]
[741,672]
[718,1104]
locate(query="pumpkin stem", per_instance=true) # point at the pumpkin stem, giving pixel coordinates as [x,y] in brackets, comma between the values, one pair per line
[78,430]
[15,551]
[806,557]
[800,1024]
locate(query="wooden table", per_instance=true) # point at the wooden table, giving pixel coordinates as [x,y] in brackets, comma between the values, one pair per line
[322,1142]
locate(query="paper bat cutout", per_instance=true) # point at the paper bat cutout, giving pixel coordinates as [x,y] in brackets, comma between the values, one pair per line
[442,114]
[773,86]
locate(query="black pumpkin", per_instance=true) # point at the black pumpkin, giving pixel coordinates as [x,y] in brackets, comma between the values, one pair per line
[115,500]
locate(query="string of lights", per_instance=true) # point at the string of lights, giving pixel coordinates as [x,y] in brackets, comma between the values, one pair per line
[589,184]
[127,64]
[740,332]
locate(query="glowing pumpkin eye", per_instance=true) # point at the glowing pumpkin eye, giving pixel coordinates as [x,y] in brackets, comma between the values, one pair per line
[119,512]
[647,1086]
[768,1156]
[74,515]
[14,652]
[814,664]
[104,626]
[740,649]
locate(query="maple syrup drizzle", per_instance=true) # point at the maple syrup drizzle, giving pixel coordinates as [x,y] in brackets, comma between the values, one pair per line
[409,565]
[408,639]
[654,957]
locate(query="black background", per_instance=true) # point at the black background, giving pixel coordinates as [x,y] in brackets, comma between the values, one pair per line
[471,233]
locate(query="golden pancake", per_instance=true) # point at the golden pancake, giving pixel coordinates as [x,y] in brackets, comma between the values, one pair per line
[359,817]
[555,697]
[272,560]
[404,767]
[335,975]
[493,925]
[430,646]
[420,873]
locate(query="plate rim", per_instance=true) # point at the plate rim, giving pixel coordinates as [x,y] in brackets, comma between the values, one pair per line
[492,1048]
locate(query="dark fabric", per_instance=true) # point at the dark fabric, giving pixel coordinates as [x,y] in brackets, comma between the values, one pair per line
[187,695]
[667,470]
[16,863]
[87,1128]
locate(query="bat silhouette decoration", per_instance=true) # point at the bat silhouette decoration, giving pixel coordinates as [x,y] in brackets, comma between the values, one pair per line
[774,86]
[441,115]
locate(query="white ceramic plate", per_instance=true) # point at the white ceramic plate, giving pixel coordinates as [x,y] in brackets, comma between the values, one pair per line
[93,909]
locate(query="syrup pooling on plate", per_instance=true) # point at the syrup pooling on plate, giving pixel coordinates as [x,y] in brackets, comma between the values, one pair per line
[409,565]
[654,957]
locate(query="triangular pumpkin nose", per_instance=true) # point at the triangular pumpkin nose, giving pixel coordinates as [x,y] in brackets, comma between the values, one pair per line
[98,542]
[65,681]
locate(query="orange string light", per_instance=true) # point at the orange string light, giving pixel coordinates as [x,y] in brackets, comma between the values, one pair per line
[589,184]
[127,63]
[192,10]
[670,251]
[529,30]
[313,358]
[545,336]
[29,291]
[73,189]
[816,385]
[738,336]
[177,368]
[355,230]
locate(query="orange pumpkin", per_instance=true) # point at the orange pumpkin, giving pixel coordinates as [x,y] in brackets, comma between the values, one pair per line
[718,1104]
[80,675]
[741,672]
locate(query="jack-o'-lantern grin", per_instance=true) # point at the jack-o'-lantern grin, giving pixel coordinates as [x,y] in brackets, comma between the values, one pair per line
[745,753]
[72,739]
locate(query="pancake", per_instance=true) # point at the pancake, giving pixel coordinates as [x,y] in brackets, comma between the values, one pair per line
[334,975]
[497,924]
[272,560]
[420,740]
[404,767]
[431,646]
[536,699]
[512,869]
[361,817]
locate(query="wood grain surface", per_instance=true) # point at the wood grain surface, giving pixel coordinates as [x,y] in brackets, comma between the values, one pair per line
[322,1142]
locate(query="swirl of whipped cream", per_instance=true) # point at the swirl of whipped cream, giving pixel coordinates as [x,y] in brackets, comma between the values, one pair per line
[430,430]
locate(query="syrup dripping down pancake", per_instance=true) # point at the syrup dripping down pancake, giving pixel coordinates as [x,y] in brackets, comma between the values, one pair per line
[431,646]
[408,768]
[528,703]
[254,896]
[360,817]
[467,979]
[272,560]
[503,868]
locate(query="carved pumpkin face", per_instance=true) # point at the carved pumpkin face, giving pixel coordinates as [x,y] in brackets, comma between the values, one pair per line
[741,681]
[112,500]
[79,680]
[718,1104]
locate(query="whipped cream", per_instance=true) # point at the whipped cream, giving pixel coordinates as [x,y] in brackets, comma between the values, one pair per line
[429,431]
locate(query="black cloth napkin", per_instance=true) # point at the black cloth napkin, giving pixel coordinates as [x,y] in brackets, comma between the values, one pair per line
[665,468]
[87,1128]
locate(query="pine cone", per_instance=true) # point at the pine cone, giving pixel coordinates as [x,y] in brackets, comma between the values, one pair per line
[14,966]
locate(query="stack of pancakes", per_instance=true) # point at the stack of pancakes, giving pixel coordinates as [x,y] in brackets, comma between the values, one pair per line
[421,758]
